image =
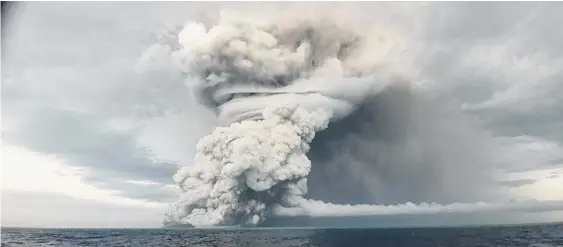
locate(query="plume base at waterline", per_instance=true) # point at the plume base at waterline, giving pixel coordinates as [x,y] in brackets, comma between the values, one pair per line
[315,208]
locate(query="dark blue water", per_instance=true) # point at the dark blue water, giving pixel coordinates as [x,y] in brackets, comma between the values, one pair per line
[540,235]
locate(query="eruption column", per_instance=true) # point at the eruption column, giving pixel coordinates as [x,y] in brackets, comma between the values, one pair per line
[273,85]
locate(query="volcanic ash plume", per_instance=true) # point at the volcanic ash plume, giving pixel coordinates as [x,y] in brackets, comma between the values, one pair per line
[273,85]
[274,82]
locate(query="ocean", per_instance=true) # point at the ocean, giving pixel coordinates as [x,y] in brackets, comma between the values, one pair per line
[513,236]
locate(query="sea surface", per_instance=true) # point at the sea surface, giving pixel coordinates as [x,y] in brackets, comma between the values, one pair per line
[537,235]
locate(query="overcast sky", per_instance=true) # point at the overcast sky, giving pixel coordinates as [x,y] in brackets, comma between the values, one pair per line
[91,140]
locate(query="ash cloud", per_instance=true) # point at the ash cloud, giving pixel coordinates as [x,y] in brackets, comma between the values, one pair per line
[501,67]
[277,81]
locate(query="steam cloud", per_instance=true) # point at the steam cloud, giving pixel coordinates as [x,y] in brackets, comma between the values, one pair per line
[274,83]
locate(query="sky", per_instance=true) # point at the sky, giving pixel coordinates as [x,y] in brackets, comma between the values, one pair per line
[91,136]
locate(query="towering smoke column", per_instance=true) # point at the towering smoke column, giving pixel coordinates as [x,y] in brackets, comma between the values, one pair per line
[274,83]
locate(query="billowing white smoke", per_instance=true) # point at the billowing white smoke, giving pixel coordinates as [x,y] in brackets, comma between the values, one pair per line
[275,82]
[241,169]
[274,87]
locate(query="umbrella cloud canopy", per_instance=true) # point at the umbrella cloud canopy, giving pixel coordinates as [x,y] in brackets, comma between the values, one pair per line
[242,64]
